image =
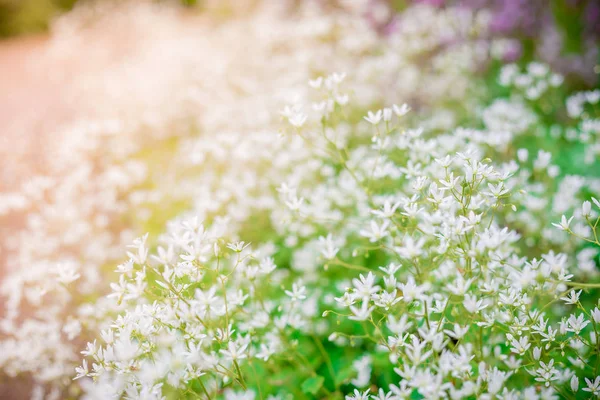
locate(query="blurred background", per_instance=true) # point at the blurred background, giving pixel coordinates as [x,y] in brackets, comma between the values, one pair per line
[67,60]
[75,73]
[21,17]
[63,61]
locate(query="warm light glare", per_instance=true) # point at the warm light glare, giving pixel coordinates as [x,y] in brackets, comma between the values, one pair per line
[299,199]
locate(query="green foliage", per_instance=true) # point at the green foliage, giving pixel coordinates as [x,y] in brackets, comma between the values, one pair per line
[313,385]
[20,17]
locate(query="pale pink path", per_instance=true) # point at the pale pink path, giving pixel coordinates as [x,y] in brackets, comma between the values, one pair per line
[121,66]
[36,99]
[37,92]
[26,100]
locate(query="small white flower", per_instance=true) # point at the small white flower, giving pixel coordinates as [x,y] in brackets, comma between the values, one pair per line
[125,267]
[519,346]
[586,209]
[572,298]
[576,324]
[139,244]
[328,248]
[593,386]
[402,110]
[374,117]
[297,293]
[361,314]
[358,395]
[66,272]
[387,114]
[82,371]
[297,120]
[564,223]
[376,232]
[295,203]
[72,328]
[596,315]
[574,383]
[238,246]
[522,155]
[234,352]
[458,331]
[316,83]
[342,99]
[387,211]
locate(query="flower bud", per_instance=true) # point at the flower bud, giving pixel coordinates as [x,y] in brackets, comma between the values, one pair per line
[586,209]
[387,114]
[574,383]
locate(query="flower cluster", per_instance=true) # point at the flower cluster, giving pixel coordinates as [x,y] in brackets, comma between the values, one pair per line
[401,229]
[393,248]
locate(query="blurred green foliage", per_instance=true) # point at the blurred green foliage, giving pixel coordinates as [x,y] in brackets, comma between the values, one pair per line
[18,17]
[25,16]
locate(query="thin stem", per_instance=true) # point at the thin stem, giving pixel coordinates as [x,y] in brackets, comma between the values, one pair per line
[240,377]
[204,389]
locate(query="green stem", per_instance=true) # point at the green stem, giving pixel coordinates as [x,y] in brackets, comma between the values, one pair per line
[240,377]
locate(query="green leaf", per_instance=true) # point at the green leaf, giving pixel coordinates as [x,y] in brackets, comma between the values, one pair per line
[344,375]
[312,385]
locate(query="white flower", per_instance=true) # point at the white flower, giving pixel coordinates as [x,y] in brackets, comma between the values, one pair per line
[328,248]
[387,114]
[125,267]
[586,209]
[410,248]
[82,371]
[411,291]
[472,304]
[596,315]
[66,272]
[297,120]
[593,386]
[497,190]
[402,110]
[342,99]
[576,324]
[522,155]
[365,286]
[362,366]
[361,314]
[72,328]
[297,293]
[519,346]
[238,246]
[574,383]
[458,331]
[346,299]
[572,298]
[141,253]
[295,203]
[374,117]
[316,83]
[391,269]
[387,211]
[564,223]
[377,231]
[358,395]
[235,352]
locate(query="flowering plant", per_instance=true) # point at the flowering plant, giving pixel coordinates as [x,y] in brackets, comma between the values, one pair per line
[355,246]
